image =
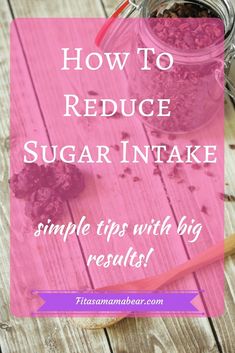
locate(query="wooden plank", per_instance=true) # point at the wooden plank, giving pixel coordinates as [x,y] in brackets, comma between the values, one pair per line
[223,325]
[182,330]
[18,335]
[134,337]
[59,8]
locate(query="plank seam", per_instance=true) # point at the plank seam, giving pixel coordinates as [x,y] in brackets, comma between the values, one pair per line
[104,9]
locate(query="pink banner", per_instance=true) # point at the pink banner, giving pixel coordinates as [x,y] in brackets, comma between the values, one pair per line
[117,157]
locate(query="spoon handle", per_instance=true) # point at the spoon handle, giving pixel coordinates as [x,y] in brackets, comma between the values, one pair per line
[211,255]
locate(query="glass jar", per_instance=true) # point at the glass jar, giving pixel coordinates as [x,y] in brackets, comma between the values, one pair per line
[211,72]
[224,9]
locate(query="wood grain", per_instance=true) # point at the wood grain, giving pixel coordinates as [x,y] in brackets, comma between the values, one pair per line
[27,335]
[131,335]
[197,325]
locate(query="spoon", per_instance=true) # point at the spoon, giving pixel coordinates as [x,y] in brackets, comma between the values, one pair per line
[211,255]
